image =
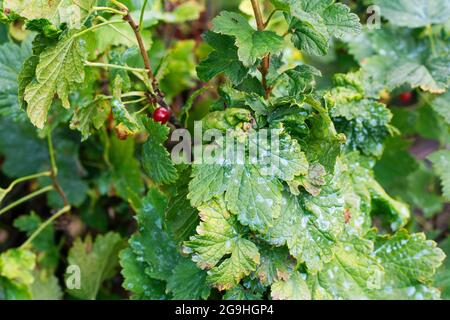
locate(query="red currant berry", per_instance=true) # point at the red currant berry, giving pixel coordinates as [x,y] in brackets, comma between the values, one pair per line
[406,97]
[161,115]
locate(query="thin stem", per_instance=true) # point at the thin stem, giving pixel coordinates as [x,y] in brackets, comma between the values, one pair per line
[113,66]
[117,30]
[135,101]
[156,94]
[108,9]
[54,170]
[79,34]
[51,151]
[264,69]
[119,5]
[44,225]
[270,17]
[23,179]
[25,199]
[138,36]
[141,17]
[141,110]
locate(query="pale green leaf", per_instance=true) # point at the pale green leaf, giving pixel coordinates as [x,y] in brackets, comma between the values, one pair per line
[218,236]
[294,288]
[60,70]
[72,12]
[97,261]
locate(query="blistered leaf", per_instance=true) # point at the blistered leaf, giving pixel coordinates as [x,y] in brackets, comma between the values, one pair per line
[60,70]
[17,265]
[309,234]
[294,288]
[97,261]
[220,247]
[365,124]
[394,57]
[250,193]
[72,12]
[276,265]
[410,262]
[155,158]
[252,44]
[353,273]
[90,117]
[314,23]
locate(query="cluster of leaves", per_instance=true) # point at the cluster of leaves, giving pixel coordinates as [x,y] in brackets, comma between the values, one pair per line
[296,224]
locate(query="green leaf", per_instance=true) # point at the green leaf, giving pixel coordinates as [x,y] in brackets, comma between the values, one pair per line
[208,181]
[18,163]
[252,44]
[276,265]
[44,243]
[97,262]
[136,280]
[45,286]
[126,170]
[410,262]
[295,288]
[90,117]
[17,265]
[188,282]
[220,247]
[441,164]
[440,106]
[153,243]
[223,59]
[414,13]
[352,274]
[395,57]
[182,217]
[395,212]
[176,72]
[365,123]
[285,161]
[309,234]
[60,70]
[442,278]
[72,12]
[250,193]
[11,59]
[155,158]
[313,23]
